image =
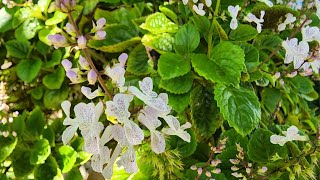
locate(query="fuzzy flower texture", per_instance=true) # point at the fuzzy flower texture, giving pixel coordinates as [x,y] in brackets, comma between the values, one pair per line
[124,130]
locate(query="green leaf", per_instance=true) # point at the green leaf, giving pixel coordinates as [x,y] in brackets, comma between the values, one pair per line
[53,98]
[234,138]
[57,18]
[19,124]
[251,56]
[173,65]
[74,174]
[18,49]
[224,66]
[66,158]
[21,165]
[121,37]
[303,84]
[28,29]
[137,63]
[27,70]
[37,93]
[21,16]
[261,150]
[82,158]
[56,57]
[168,12]
[187,39]
[204,111]
[36,122]
[158,23]
[178,85]
[179,102]
[160,42]
[244,32]
[89,6]
[7,145]
[40,152]
[48,170]
[270,99]
[43,34]
[44,4]
[55,79]
[49,134]
[240,107]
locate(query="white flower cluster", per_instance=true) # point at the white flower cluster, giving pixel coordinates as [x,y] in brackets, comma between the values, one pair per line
[290,19]
[199,7]
[126,132]
[290,135]
[298,52]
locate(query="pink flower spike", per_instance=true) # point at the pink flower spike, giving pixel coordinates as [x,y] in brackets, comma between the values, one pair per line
[82,42]
[66,64]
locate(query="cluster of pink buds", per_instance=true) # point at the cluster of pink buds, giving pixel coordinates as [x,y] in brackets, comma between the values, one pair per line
[65,5]
[211,165]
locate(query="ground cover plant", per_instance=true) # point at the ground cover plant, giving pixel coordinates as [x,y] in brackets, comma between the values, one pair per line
[150,89]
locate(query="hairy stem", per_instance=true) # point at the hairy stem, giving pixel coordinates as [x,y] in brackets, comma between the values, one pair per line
[88,57]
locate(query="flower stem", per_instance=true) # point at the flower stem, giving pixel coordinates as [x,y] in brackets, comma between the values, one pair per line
[216,13]
[88,58]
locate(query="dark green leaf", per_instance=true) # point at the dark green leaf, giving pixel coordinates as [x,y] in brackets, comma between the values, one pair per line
[40,152]
[74,174]
[18,49]
[7,145]
[48,170]
[240,107]
[21,165]
[36,122]
[244,32]
[178,85]
[55,79]
[187,39]
[138,61]
[66,158]
[270,99]
[53,98]
[179,102]
[27,70]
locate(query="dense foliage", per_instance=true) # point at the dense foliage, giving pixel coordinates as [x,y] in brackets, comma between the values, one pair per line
[179,89]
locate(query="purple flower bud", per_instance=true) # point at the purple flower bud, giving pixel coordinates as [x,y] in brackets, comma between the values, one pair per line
[84,63]
[82,42]
[63,8]
[123,58]
[58,40]
[100,23]
[67,65]
[100,35]
[73,76]
[92,77]
[70,29]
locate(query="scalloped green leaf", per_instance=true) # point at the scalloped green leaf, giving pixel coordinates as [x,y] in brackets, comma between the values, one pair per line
[178,85]
[171,65]
[179,102]
[251,56]
[18,49]
[224,66]
[57,18]
[239,106]
[7,145]
[160,42]
[137,63]
[35,122]
[244,32]
[28,29]
[66,158]
[187,39]
[121,37]
[205,114]
[21,165]
[40,152]
[261,150]
[158,23]
[27,70]
[55,79]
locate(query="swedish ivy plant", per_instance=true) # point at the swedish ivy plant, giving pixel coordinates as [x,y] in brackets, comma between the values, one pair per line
[179,89]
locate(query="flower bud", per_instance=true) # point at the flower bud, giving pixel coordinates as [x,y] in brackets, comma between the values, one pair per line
[65,5]
[217,171]
[123,58]
[92,77]
[234,161]
[263,169]
[199,171]
[58,40]
[70,29]
[237,175]
[208,174]
[100,35]
[82,42]
[234,168]
[66,64]
[215,162]
[84,63]
[193,167]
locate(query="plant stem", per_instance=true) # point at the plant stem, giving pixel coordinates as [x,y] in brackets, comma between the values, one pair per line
[88,58]
[216,13]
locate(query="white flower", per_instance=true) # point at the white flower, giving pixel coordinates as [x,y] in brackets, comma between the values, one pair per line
[317,4]
[148,96]
[199,9]
[208,3]
[86,91]
[119,108]
[310,34]
[315,65]
[252,18]
[290,135]
[66,64]
[233,10]
[267,2]
[128,161]
[116,73]
[180,131]
[185,2]
[295,52]
[92,77]
[98,160]
[289,19]
[87,120]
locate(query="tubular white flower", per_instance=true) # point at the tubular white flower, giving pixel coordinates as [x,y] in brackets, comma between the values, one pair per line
[208,3]
[92,77]
[310,34]
[84,63]
[296,53]
[89,94]
[289,19]
[252,18]
[199,9]
[234,10]
[128,161]
[116,73]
